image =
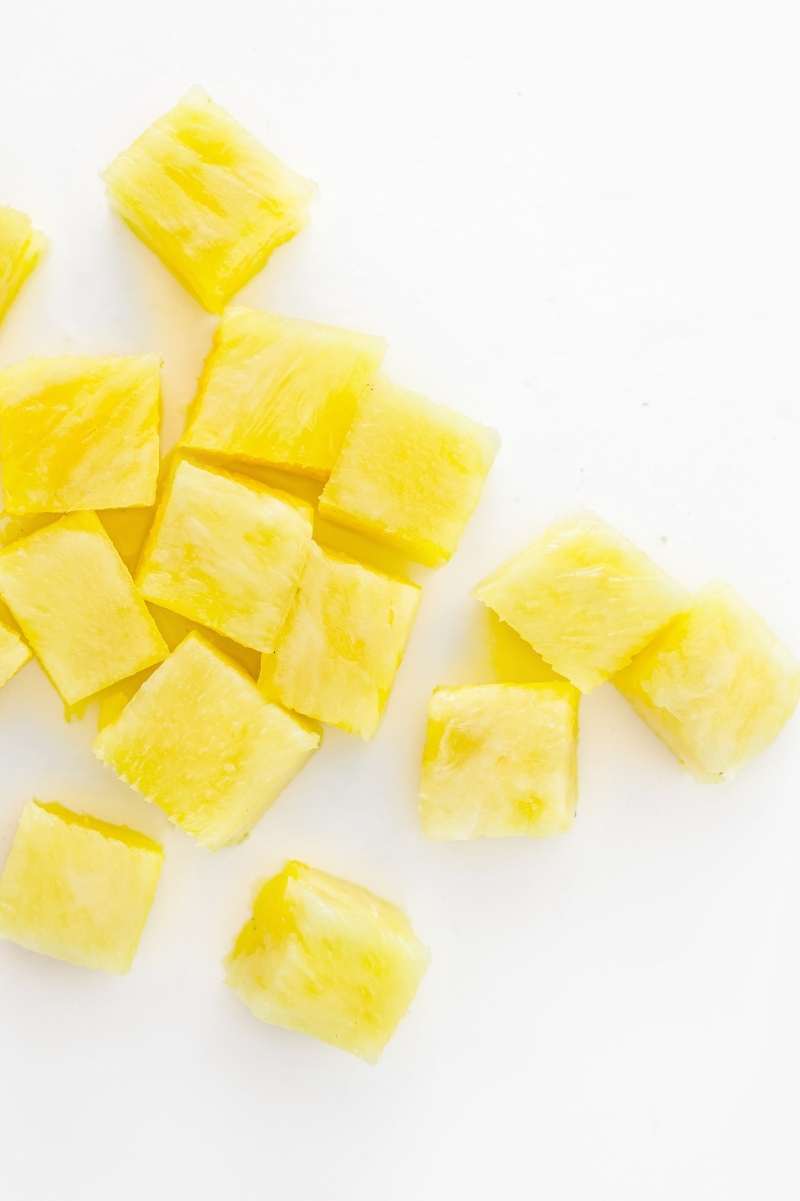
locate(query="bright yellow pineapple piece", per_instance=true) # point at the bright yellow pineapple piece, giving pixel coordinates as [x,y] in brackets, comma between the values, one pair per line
[410,473]
[227,552]
[80,433]
[77,606]
[200,741]
[716,685]
[14,654]
[585,598]
[207,198]
[500,759]
[78,888]
[329,959]
[21,247]
[280,391]
[343,642]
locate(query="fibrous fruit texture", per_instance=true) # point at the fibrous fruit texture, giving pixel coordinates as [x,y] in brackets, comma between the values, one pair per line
[21,247]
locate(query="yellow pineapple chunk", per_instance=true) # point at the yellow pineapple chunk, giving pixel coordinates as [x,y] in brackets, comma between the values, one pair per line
[207,198]
[410,473]
[200,741]
[343,642]
[279,391]
[585,598]
[78,888]
[77,606]
[500,759]
[716,685]
[21,247]
[327,958]
[226,552]
[80,433]
[14,654]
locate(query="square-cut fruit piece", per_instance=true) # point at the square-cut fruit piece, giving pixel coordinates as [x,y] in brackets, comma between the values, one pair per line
[21,247]
[77,606]
[200,741]
[716,685]
[80,433]
[78,888]
[343,642]
[500,759]
[280,391]
[585,598]
[327,958]
[226,552]
[410,473]
[14,654]
[207,198]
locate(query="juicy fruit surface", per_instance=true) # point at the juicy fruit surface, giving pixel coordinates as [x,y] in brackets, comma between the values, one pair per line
[716,685]
[80,433]
[228,553]
[500,759]
[77,888]
[77,606]
[200,741]
[280,391]
[21,247]
[584,597]
[410,473]
[329,959]
[343,642]
[14,654]
[207,198]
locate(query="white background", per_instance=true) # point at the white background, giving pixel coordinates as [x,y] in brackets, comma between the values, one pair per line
[579,223]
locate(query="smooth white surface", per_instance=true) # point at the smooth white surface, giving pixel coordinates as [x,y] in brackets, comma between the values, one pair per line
[578,222]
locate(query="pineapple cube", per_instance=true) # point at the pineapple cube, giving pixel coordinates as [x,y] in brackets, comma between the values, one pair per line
[410,473]
[207,198]
[279,391]
[200,741]
[227,552]
[14,654]
[77,606]
[78,888]
[80,433]
[500,759]
[327,958]
[343,642]
[716,685]
[21,248]
[585,598]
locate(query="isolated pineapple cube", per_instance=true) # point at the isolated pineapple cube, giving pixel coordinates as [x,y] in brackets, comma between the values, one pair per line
[21,247]
[14,654]
[327,958]
[716,684]
[500,759]
[585,598]
[410,473]
[200,741]
[207,198]
[78,888]
[343,642]
[77,606]
[80,433]
[280,391]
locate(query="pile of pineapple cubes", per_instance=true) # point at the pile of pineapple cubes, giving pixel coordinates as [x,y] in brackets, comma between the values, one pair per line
[221,631]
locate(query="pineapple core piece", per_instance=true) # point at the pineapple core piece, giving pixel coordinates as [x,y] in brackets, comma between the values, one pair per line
[80,433]
[207,198]
[585,598]
[200,741]
[77,606]
[716,685]
[280,391]
[228,553]
[78,888]
[410,473]
[327,958]
[14,654]
[500,759]
[343,642]
[21,247]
